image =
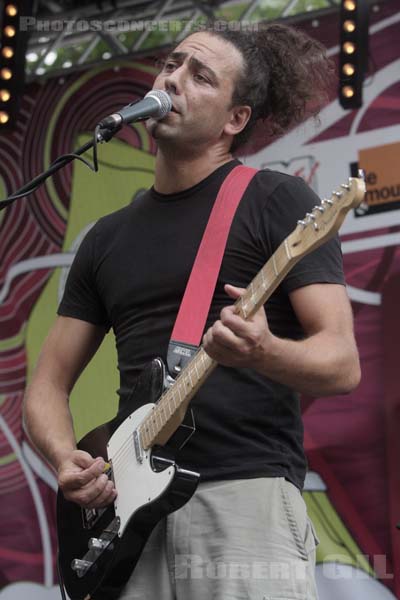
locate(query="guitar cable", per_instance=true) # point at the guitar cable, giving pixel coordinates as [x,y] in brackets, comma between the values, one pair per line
[60,579]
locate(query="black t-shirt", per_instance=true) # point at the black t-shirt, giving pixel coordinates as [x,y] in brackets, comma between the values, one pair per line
[130,274]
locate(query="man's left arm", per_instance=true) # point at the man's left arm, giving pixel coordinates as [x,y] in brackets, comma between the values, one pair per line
[324,363]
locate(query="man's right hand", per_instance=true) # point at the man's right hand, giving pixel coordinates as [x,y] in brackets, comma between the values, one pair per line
[82,480]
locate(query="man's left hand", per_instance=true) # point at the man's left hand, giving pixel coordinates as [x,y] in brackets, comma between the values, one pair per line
[234,342]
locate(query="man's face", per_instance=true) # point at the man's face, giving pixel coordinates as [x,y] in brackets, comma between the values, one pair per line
[199,75]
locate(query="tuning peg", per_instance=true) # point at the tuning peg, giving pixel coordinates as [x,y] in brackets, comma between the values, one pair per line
[337,194]
[327,201]
[345,186]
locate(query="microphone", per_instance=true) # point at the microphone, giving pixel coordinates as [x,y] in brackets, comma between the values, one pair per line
[156,104]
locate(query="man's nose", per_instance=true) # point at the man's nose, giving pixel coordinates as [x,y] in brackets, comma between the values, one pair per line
[175,80]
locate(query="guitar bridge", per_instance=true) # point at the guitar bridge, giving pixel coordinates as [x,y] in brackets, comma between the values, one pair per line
[96,547]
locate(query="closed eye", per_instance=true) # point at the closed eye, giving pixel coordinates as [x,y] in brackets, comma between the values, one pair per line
[169,66]
[201,78]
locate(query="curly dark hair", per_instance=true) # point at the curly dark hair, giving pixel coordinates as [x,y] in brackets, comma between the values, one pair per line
[287,76]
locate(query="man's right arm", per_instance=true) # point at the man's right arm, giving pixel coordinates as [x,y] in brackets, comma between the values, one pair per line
[67,350]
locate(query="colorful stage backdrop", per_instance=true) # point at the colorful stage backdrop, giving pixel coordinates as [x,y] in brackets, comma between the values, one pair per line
[352,442]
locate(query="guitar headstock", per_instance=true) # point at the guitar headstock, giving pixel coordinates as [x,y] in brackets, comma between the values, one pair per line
[326,218]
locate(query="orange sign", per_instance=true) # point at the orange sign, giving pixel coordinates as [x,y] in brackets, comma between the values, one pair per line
[382,173]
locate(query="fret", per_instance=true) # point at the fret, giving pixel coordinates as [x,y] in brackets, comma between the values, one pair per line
[259,292]
[146,440]
[243,307]
[153,421]
[142,437]
[158,418]
[173,396]
[251,288]
[274,265]
[150,427]
[146,426]
[180,388]
[189,376]
[269,273]
[162,413]
[288,254]
[168,403]
[197,372]
[263,280]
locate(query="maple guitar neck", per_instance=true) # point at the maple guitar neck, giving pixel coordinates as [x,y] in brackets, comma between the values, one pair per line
[316,228]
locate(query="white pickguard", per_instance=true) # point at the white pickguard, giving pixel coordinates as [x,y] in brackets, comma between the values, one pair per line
[135,481]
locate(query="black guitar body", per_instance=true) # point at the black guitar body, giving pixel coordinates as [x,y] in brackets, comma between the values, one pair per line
[92,536]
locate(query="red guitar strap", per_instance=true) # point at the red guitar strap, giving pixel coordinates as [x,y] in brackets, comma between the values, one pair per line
[195,305]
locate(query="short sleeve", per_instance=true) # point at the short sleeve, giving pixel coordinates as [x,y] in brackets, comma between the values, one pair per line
[81,299]
[289,202]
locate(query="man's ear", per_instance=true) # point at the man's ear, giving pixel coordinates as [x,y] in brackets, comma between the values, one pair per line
[239,118]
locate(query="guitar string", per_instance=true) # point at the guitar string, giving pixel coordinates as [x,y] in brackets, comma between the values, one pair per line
[153,430]
[123,454]
[141,428]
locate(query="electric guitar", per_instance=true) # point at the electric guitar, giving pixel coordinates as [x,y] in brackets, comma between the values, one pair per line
[99,548]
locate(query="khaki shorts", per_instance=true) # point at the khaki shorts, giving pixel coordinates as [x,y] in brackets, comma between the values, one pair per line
[234,540]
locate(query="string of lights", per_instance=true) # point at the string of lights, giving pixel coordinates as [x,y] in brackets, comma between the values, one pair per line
[13,43]
[353,51]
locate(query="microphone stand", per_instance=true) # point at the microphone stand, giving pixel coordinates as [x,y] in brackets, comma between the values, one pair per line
[101,135]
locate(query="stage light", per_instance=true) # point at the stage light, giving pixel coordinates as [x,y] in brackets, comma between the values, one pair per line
[11,10]
[348,91]
[9,31]
[4,95]
[349,5]
[6,74]
[348,69]
[4,117]
[7,52]
[349,26]
[353,57]
[349,48]
[13,44]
